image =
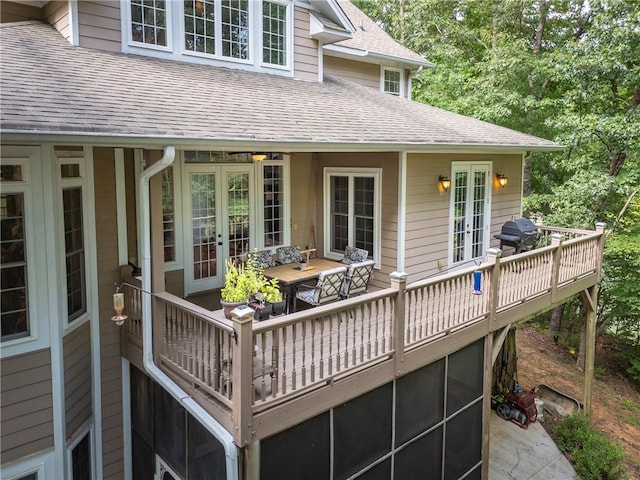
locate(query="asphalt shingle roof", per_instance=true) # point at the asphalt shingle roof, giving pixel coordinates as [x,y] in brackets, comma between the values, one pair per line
[370,37]
[48,86]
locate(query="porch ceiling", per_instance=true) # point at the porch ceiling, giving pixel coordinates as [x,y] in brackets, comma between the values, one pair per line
[48,87]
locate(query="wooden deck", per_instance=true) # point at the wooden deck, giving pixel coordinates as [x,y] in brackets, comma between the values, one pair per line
[257,378]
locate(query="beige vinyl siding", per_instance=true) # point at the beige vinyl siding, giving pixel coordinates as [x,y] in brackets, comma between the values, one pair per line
[305,48]
[305,198]
[25,400]
[388,162]
[427,209]
[57,14]
[77,377]
[366,74]
[18,12]
[108,275]
[99,25]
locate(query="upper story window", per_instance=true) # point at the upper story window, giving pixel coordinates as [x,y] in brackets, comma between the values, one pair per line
[149,22]
[247,32]
[392,81]
[274,33]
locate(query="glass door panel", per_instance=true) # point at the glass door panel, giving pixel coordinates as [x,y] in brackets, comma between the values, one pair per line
[238,214]
[470,204]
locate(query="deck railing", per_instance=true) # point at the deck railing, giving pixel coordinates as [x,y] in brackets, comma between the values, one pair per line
[251,366]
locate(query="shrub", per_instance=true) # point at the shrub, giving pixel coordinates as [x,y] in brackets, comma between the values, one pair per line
[593,455]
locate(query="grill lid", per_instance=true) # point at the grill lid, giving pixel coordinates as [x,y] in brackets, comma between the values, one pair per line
[519,227]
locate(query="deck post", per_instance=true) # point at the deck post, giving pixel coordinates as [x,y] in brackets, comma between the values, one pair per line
[589,299]
[600,226]
[399,283]
[556,241]
[493,259]
[486,402]
[242,375]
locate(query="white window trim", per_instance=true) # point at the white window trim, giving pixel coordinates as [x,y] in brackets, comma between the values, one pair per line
[177,264]
[78,435]
[175,41]
[259,189]
[85,161]
[376,173]
[162,466]
[33,188]
[129,45]
[487,225]
[384,69]
[42,464]
[290,33]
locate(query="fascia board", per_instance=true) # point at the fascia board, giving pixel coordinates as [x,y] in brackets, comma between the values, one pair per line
[138,141]
[373,57]
[320,31]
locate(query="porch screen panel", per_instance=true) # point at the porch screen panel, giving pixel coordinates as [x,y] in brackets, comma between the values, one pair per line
[238,216]
[339,213]
[363,207]
[459,212]
[203,212]
[74,251]
[273,205]
[235,29]
[13,267]
[479,193]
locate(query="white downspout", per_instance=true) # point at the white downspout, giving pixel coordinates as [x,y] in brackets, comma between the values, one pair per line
[210,423]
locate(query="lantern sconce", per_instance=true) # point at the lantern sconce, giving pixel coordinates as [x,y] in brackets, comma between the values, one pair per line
[445,183]
[258,156]
[118,306]
[502,179]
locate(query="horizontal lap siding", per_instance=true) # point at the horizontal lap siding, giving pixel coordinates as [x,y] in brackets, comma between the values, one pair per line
[108,275]
[25,400]
[77,377]
[57,14]
[16,12]
[99,25]
[427,222]
[366,74]
[305,48]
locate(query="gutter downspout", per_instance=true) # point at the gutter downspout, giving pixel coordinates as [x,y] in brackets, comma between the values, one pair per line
[190,405]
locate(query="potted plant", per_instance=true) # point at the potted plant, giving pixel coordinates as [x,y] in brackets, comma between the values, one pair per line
[272,295]
[237,287]
[261,306]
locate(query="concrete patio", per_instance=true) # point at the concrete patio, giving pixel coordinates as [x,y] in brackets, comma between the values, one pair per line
[525,454]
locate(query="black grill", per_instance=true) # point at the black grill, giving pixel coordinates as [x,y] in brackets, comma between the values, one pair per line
[522,234]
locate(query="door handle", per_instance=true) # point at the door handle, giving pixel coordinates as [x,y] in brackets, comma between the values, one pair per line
[219,243]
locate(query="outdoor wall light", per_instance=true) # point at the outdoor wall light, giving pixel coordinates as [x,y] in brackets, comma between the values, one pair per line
[502,179]
[445,183]
[258,156]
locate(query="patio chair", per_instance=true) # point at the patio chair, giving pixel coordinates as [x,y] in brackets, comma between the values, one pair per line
[354,255]
[264,258]
[356,281]
[327,288]
[288,254]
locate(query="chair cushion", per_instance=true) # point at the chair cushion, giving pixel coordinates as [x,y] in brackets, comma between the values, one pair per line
[265,258]
[354,255]
[288,255]
[307,296]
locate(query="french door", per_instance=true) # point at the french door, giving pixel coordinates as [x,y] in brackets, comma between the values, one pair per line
[470,212]
[218,226]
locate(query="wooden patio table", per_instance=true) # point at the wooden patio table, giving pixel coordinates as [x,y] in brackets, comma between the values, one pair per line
[290,276]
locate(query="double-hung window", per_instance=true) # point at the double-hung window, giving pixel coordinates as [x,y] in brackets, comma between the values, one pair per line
[149,22]
[392,81]
[274,33]
[72,182]
[352,210]
[14,289]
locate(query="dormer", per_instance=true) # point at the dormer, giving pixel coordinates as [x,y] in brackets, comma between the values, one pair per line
[371,57]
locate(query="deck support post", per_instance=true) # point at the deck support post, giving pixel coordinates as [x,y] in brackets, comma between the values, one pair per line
[493,259]
[399,283]
[242,375]
[589,299]
[556,242]
[486,402]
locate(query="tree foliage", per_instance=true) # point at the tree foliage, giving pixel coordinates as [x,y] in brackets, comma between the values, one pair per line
[568,70]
